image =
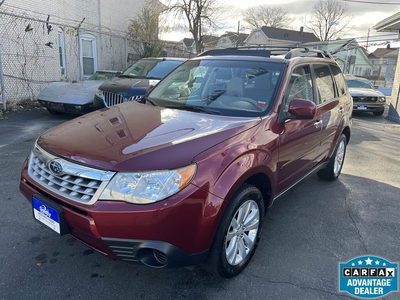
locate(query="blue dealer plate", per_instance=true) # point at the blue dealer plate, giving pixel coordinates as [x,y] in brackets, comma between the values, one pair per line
[362,107]
[46,215]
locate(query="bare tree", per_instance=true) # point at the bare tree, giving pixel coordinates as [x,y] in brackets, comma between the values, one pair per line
[267,15]
[146,29]
[198,14]
[329,19]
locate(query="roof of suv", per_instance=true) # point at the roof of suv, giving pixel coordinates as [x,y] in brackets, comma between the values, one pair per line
[164,58]
[284,52]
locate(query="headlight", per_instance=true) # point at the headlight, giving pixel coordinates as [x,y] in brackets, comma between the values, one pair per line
[147,187]
[99,93]
[382,99]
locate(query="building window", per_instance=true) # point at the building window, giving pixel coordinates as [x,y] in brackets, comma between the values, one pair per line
[257,35]
[61,50]
[88,55]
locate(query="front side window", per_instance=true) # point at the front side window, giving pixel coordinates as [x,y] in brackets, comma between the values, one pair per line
[300,86]
[235,88]
[88,55]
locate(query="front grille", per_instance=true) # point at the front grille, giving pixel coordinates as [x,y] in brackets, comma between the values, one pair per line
[112,99]
[364,99]
[75,182]
[131,98]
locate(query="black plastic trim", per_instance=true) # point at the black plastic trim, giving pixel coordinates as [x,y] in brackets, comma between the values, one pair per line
[142,251]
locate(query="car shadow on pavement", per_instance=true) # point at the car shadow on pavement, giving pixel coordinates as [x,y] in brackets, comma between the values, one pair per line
[319,224]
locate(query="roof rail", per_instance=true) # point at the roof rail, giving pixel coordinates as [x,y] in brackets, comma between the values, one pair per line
[265,51]
[301,52]
[268,51]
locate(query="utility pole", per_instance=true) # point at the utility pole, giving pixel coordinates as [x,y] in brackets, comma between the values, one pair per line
[237,38]
[366,47]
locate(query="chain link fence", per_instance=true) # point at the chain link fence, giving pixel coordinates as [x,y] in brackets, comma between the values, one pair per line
[30,55]
[35,52]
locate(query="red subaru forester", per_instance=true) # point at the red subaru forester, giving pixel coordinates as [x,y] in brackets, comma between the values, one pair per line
[185,175]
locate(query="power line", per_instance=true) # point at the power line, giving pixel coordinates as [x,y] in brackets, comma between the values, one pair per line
[371,2]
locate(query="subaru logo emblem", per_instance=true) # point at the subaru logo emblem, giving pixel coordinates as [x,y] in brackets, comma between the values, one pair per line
[55,167]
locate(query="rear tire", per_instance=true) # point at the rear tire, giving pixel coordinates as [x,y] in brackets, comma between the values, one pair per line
[238,234]
[332,171]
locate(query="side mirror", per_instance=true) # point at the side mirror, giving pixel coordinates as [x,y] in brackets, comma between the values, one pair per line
[301,109]
[118,73]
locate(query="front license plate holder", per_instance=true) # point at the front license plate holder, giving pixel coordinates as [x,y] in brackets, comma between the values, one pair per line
[362,107]
[49,213]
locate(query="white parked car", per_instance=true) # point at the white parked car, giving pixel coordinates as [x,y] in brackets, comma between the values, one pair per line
[365,97]
[73,97]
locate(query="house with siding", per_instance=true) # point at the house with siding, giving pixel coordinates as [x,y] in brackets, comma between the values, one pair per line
[43,41]
[351,57]
[392,24]
[384,61]
[231,39]
[270,36]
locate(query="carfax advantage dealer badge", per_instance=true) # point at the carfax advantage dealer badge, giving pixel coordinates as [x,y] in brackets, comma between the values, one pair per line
[368,277]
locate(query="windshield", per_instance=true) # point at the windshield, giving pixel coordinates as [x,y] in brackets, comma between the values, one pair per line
[100,75]
[229,87]
[151,68]
[357,83]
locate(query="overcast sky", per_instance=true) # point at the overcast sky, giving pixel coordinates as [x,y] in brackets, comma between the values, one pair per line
[365,14]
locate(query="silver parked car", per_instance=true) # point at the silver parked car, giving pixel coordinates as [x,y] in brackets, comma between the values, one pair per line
[365,97]
[73,97]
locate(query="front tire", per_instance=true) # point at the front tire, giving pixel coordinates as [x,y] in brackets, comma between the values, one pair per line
[54,112]
[378,112]
[238,233]
[332,171]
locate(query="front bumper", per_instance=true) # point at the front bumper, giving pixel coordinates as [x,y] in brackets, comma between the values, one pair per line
[98,103]
[67,107]
[368,107]
[173,233]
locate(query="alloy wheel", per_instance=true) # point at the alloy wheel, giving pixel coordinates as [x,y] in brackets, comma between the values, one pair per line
[242,233]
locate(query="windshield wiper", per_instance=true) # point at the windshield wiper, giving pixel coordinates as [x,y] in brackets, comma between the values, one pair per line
[194,108]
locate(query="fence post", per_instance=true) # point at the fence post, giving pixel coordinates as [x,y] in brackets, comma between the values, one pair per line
[3,95]
[80,63]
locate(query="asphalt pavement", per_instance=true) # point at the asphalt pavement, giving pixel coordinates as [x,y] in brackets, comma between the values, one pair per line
[307,233]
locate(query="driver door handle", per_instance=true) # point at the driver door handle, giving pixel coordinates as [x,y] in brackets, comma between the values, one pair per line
[318,124]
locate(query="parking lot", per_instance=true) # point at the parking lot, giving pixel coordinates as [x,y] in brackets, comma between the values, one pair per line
[306,233]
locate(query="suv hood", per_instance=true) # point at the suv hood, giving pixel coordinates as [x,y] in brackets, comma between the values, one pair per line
[138,137]
[365,92]
[127,85]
